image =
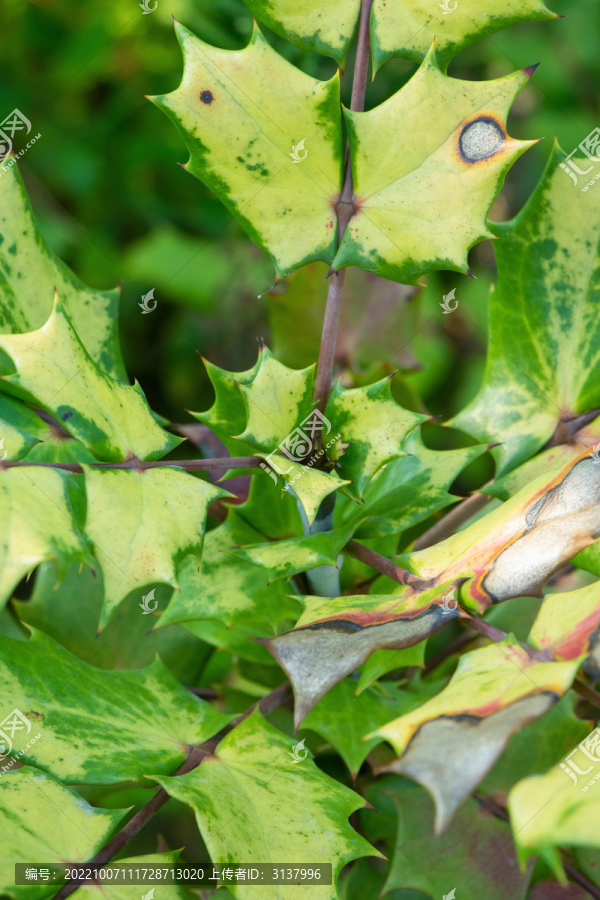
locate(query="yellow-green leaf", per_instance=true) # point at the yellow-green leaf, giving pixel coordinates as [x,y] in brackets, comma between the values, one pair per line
[373,425]
[252,802]
[30,273]
[407,27]
[427,165]
[314,26]
[267,139]
[54,370]
[143,524]
[96,726]
[45,822]
[37,523]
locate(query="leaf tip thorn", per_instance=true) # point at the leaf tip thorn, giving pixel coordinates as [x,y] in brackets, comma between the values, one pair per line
[529,70]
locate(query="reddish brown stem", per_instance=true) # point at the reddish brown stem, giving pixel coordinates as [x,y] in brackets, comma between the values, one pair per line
[190,465]
[385,566]
[344,212]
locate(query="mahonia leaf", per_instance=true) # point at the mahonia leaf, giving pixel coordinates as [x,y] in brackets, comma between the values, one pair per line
[99,727]
[514,549]
[30,273]
[343,718]
[374,425]
[543,363]
[38,523]
[227,416]
[54,370]
[475,854]
[143,524]
[494,692]
[421,198]
[45,822]
[267,139]
[548,811]
[283,559]
[224,588]
[335,635]
[311,25]
[252,802]
[276,400]
[568,624]
[310,486]
[410,489]
[407,27]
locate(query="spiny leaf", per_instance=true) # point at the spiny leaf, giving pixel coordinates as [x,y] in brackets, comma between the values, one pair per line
[143,524]
[224,588]
[335,635]
[445,168]
[54,370]
[99,727]
[227,416]
[252,801]
[38,522]
[343,718]
[374,425]
[514,549]
[283,559]
[494,692]
[276,400]
[311,486]
[543,362]
[30,273]
[310,24]
[45,822]
[241,114]
[410,489]
[407,27]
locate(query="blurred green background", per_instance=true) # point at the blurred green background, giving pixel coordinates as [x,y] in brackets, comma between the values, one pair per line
[115,205]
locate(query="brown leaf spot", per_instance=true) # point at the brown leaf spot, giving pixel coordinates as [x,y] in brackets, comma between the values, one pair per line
[206,97]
